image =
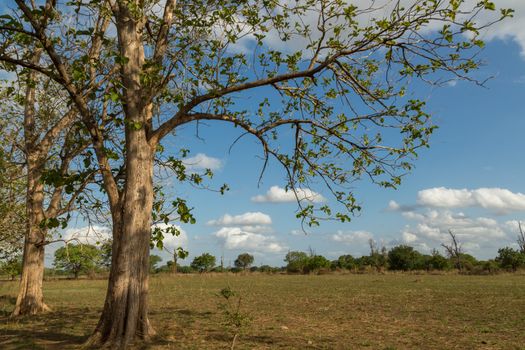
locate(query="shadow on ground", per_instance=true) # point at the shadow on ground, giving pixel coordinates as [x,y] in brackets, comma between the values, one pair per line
[53,330]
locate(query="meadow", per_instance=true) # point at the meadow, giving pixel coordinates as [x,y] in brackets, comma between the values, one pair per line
[369,311]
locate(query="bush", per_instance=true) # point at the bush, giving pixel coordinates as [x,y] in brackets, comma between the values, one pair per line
[316,263]
[297,262]
[510,259]
[468,262]
[184,269]
[347,262]
[405,258]
[268,269]
[438,262]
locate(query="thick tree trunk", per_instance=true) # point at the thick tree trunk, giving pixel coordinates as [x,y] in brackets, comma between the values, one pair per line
[125,315]
[30,300]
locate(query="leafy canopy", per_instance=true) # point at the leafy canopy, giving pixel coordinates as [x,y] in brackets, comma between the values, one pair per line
[328,82]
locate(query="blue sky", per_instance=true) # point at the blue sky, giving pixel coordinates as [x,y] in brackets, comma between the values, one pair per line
[470,180]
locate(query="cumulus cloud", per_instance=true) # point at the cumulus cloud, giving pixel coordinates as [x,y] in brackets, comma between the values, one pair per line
[498,200]
[277,194]
[478,235]
[241,239]
[173,242]
[511,28]
[201,161]
[249,218]
[441,209]
[87,234]
[352,237]
[357,242]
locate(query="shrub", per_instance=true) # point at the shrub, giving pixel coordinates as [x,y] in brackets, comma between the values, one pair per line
[405,258]
[347,262]
[510,259]
[297,262]
[438,262]
[184,269]
[316,262]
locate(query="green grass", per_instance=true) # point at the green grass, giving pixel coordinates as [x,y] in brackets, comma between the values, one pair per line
[393,311]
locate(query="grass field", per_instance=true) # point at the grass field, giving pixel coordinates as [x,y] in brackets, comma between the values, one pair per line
[393,311]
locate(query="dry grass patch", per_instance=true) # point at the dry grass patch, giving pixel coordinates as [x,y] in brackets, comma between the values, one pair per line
[294,312]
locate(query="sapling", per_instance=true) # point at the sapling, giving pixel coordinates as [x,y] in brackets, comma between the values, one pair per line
[234,319]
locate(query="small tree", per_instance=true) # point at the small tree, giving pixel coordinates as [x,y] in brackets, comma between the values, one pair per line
[437,262]
[12,267]
[153,261]
[297,261]
[317,262]
[244,261]
[346,262]
[234,319]
[511,259]
[203,263]
[105,254]
[77,258]
[404,257]
[454,250]
[521,239]
[378,256]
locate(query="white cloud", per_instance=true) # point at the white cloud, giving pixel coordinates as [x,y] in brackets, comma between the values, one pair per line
[201,161]
[511,28]
[437,212]
[173,242]
[297,233]
[352,237]
[499,200]
[481,236]
[87,234]
[277,194]
[409,237]
[240,239]
[249,218]
[393,206]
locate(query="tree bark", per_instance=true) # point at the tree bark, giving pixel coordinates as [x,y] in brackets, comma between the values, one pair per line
[30,300]
[125,315]
[124,318]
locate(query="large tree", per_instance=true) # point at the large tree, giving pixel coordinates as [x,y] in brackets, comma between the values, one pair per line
[12,204]
[329,81]
[46,144]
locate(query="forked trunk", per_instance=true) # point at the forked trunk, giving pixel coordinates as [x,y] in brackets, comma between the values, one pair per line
[125,315]
[30,300]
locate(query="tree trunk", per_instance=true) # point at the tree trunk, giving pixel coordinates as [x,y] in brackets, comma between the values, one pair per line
[174,269]
[125,315]
[30,300]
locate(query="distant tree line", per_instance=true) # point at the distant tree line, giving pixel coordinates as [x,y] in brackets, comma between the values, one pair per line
[74,260]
